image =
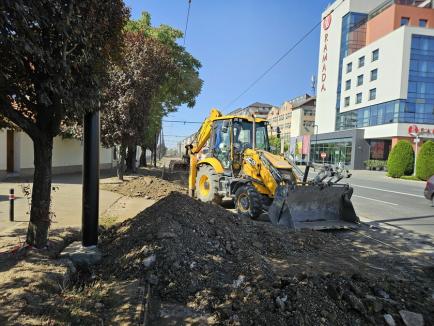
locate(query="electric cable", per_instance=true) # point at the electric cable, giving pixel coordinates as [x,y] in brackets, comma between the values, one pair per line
[281,57]
[186,22]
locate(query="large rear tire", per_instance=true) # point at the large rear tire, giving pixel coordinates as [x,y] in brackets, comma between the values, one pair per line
[207,185]
[248,201]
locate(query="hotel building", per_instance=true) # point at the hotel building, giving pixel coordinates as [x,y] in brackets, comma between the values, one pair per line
[375,78]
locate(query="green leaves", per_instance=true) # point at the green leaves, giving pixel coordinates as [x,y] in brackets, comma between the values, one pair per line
[425,161]
[54,58]
[401,160]
[153,78]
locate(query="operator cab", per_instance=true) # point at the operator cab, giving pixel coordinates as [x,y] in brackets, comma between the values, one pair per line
[231,137]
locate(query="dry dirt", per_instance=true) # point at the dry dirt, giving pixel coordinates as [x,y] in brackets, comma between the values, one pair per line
[147,186]
[204,264]
[187,262]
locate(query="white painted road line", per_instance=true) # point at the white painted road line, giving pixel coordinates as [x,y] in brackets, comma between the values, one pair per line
[391,191]
[381,201]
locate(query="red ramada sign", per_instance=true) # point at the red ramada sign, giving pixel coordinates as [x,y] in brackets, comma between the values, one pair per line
[326,25]
[421,132]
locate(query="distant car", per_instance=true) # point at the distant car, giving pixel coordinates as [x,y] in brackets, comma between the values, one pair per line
[429,190]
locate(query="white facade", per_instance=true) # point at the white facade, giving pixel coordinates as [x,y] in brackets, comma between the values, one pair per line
[67,155]
[392,69]
[329,54]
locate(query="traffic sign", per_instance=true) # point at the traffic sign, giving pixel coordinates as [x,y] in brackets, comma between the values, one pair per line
[323,155]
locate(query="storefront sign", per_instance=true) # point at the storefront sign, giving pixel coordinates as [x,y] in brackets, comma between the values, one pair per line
[421,132]
[326,25]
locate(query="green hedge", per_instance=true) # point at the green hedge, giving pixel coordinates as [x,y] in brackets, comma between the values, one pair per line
[401,160]
[376,164]
[425,161]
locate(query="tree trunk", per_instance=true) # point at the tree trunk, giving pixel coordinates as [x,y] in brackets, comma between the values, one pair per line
[121,162]
[40,219]
[154,152]
[131,159]
[143,157]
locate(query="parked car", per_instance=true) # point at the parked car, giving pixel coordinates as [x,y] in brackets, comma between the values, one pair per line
[429,190]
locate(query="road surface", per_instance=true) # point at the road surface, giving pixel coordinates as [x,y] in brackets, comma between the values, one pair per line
[397,202]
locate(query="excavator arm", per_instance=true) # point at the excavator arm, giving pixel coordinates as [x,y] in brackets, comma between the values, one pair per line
[204,132]
[197,145]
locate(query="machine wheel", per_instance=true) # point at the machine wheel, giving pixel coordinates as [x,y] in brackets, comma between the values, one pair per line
[207,185]
[248,201]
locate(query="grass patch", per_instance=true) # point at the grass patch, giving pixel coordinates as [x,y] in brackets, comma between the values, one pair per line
[410,177]
[108,220]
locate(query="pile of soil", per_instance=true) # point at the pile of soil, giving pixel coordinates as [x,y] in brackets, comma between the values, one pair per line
[149,187]
[205,265]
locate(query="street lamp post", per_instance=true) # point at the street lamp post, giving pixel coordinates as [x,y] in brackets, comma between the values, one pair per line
[316,141]
[416,140]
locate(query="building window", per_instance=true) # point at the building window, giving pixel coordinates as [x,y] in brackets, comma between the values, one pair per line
[361,61]
[359,80]
[347,101]
[374,74]
[372,94]
[422,22]
[359,98]
[349,67]
[405,21]
[375,55]
[348,84]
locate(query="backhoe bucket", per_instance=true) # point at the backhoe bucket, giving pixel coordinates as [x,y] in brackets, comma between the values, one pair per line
[313,207]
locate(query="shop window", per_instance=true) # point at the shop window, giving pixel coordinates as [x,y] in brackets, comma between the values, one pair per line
[348,84]
[422,22]
[374,74]
[361,61]
[347,101]
[359,80]
[359,98]
[405,21]
[349,67]
[372,94]
[375,55]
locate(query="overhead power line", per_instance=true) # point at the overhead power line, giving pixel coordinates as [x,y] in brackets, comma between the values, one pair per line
[180,121]
[281,58]
[186,22]
[176,136]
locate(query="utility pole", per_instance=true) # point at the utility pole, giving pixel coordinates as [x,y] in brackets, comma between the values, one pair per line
[91,135]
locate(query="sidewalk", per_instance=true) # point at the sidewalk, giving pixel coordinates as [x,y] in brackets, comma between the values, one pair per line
[67,204]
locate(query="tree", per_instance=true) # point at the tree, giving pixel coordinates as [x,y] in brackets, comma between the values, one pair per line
[156,76]
[54,57]
[401,160]
[425,161]
[128,95]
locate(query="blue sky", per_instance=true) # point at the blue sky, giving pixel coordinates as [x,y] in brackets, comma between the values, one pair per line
[236,41]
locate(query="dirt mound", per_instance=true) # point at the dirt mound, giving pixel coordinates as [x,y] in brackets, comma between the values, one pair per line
[205,265]
[145,186]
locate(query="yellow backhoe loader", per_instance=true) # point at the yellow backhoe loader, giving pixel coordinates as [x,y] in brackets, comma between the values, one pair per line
[230,158]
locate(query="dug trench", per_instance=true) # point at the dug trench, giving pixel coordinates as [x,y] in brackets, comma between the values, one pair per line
[201,264]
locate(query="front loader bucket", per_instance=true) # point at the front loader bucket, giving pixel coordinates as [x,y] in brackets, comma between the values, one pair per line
[313,207]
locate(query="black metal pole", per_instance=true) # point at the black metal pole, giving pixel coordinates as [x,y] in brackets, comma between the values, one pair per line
[11,204]
[90,179]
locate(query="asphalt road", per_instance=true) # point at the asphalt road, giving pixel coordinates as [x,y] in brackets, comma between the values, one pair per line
[399,203]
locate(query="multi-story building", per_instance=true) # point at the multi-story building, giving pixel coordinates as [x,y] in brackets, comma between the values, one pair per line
[280,117]
[295,117]
[376,78]
[260,110]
